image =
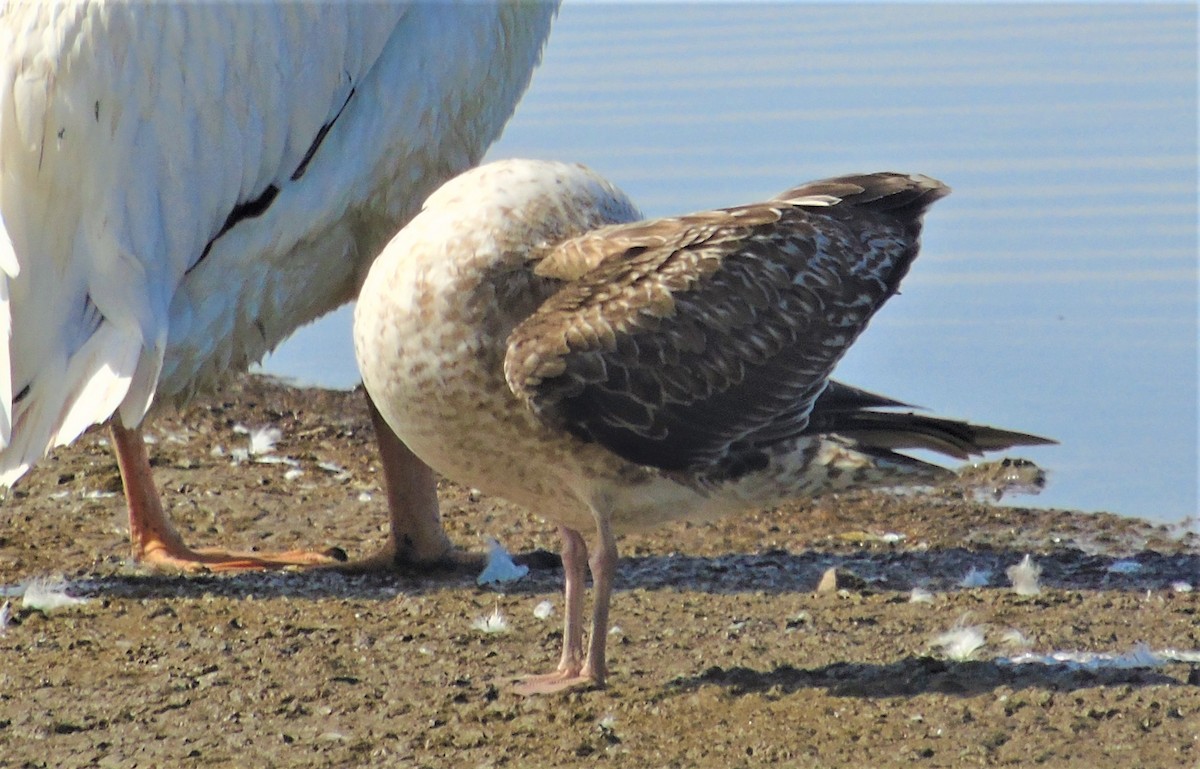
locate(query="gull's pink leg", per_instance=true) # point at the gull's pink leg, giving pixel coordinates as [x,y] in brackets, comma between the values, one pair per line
[156,542]
[604,566]
[567,675]
[574,557]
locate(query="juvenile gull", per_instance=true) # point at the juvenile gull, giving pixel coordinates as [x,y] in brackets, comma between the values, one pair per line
[527,335]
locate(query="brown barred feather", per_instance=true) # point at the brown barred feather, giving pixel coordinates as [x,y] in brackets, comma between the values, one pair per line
[679,343]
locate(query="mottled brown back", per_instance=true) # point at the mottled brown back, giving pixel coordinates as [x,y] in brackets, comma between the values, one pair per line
[694,343]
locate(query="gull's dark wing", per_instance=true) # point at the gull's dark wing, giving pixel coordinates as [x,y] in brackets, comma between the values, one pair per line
[692,343]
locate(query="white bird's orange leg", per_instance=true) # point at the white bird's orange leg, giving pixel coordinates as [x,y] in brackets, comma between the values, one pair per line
[156,542]
[416,537]
[572,671]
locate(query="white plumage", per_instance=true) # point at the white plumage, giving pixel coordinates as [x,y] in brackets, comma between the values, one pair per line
[182,185]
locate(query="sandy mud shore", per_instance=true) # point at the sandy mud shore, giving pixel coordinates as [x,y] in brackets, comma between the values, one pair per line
[723,654]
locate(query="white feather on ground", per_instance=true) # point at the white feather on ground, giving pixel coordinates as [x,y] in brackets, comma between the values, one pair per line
[1014,639]
[46,595]
[263,440]
[500,567]
[1025,576]
[961,641]
[491,623]
[976,578]
[920,595]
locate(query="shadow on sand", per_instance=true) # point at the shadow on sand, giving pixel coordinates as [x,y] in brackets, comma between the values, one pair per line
[920,675]
[773,572]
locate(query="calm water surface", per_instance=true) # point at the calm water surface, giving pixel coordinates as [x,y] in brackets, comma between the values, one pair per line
[1057,288]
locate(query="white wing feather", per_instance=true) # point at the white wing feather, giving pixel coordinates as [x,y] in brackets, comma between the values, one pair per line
[8,270]
[133,135]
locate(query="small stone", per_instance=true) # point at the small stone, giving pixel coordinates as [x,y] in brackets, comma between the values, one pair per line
[829,582]
[835,580]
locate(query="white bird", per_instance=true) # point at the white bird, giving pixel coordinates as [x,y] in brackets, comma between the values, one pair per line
[527,335]
[182,185]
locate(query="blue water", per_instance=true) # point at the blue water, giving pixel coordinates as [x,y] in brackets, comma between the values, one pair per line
[1057,288]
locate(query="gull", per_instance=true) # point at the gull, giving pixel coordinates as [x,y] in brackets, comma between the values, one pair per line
[529,334]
